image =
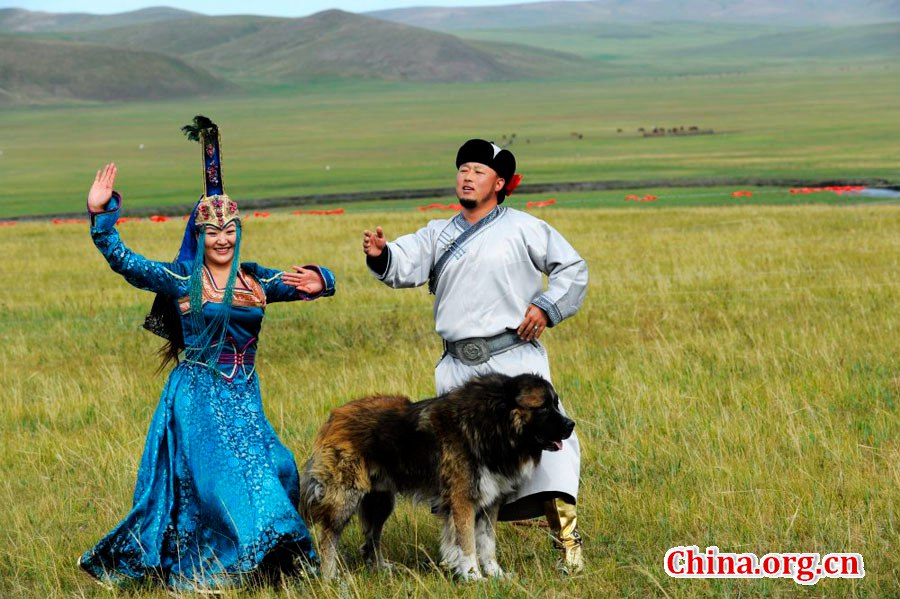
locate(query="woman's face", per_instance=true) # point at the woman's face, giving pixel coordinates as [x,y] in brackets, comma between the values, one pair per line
[218,245]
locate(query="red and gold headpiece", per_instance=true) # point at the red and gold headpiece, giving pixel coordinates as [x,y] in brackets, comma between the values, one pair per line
[217,211]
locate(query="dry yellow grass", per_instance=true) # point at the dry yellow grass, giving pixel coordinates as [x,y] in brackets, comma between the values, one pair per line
[734,375]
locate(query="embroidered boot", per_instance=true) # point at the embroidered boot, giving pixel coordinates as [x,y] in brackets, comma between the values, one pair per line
[563,520]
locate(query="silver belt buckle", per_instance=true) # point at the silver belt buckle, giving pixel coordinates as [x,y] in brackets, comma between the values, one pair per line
[472,352]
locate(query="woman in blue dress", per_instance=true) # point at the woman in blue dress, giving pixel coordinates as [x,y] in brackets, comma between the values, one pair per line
[216,493]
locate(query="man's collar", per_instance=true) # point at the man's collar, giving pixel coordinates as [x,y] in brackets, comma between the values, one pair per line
[464,224]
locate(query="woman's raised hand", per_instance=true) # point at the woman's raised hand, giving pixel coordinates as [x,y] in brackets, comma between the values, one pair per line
[304,279]
[101,190]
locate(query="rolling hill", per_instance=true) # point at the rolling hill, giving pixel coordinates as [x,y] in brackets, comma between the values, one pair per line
[542,14]
[164,52]
[335,45]
[17,20]
[161,53]
[33,70]
[181,37]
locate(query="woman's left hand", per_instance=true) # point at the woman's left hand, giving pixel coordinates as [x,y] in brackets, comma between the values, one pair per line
[305,280]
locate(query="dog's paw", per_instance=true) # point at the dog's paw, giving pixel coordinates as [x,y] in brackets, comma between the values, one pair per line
[470,575]
[382,566]
[493,569]
[375,561]
[467,568]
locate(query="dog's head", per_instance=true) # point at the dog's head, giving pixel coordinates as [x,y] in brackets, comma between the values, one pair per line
[536,415]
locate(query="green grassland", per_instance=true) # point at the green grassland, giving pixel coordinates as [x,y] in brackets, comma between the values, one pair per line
[815,104]
[336,137]
[633,42]
[698,47]
[733,374]
[599,13]
[880,41]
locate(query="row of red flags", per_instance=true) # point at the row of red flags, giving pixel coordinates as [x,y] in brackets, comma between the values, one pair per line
[549,202]
[838,189]
[742,193]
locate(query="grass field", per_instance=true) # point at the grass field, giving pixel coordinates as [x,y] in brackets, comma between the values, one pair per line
[817,122]
[733,374]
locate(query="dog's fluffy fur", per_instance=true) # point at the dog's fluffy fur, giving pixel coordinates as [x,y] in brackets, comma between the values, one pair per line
[463,452]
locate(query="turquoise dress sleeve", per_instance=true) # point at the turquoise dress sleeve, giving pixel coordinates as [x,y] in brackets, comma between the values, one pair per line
[277,291]
[168,278]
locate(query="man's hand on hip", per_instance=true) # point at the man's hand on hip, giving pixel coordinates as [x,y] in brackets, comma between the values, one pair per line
[534,324]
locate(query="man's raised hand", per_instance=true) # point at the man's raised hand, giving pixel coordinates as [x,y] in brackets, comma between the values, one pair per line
[373,243]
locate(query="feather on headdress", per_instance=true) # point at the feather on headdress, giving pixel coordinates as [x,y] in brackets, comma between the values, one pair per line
[201,127]
[206,132]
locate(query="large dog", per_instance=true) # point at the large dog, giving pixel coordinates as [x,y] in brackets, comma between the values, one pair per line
[464,452]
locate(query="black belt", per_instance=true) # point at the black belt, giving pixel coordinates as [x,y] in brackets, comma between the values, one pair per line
[478,350]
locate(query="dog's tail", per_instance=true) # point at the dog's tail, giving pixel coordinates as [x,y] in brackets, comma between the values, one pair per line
[312,491]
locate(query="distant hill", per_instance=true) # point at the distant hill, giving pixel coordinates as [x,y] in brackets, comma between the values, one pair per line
[335,45]
[845,43]
[17,20]
[41,70]
[542,14]
[163,52]
[181,37]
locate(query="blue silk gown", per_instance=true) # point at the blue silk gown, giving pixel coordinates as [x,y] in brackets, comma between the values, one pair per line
[216,493]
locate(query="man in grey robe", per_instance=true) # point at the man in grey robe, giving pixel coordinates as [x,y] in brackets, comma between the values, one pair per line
[485,267]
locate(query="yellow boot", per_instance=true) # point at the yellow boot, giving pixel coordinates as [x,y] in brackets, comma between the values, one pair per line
[563,520]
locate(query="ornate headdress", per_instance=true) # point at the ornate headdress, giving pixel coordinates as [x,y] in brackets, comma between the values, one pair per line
[215,207]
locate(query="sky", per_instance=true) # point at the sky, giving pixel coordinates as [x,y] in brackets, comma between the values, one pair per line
[279,8]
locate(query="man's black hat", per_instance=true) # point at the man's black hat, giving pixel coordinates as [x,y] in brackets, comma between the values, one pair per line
[492,155]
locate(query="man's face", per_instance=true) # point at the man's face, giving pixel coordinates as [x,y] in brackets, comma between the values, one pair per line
[476,183]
